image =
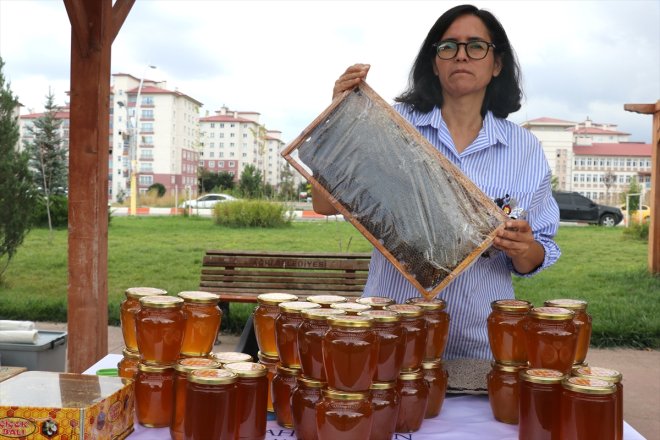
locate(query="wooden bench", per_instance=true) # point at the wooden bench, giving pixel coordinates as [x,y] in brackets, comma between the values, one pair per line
[240,276]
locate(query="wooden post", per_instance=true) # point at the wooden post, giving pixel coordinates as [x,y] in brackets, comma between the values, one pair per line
[654,227]
[94,24]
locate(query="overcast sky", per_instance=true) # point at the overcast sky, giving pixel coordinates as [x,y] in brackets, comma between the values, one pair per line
[280,58]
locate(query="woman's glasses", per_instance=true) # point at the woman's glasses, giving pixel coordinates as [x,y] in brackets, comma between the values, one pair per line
[476,50]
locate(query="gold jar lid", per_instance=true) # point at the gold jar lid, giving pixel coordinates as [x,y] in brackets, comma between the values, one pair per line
[354,321]
[331,393]
[381,315]
[216,376]
[229,357]
[139,292]
[588,385]
[383,385]
[427,304]
[247,369]
[198,296]
[149,368]
[432,364]
[552,313]
[350,307]
[266,358]
[311,383]
[297,306]
[195,363]
[406,310]
[288,371]
[542,375]
[511,305]
[161,302]
[567,303]
[326,300]
[411,374]
[606,374]
[320,314]
[130,354]
[507,367]
[376,302]
[275,298]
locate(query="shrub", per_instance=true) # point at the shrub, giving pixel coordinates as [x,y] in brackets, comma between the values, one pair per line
[639,231]
[252,213]
[158,188]
[59,212]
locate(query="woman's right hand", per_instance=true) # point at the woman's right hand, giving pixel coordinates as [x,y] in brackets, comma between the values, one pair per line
[350,78]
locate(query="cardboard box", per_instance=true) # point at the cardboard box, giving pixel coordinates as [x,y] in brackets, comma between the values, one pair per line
[48,354]
[58,406]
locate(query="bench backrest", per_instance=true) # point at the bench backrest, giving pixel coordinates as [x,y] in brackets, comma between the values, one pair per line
[240,276]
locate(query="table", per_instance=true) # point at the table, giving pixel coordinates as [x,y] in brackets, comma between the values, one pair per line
[463,417]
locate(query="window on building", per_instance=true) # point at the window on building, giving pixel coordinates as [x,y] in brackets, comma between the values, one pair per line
[211,164]
[212,124]
[628,162]
[232,135]
[244,135]
[212,145]
[147,126]
[146,167]
[588,161]
[147,100]
[147,113]
[244,154]
[211,154]
[231,144]
[231,154]
[221,154]
[146,153]
[146,180]
[232,125]
[213,135]
[221,164]
[231,164]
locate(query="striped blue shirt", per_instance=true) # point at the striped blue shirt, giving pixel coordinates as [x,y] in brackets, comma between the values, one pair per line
[504,159]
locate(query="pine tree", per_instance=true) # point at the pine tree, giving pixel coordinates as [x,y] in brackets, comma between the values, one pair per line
[17,199]
[48,155]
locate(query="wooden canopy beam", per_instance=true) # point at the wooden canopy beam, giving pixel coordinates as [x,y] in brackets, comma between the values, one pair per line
[94,25]
[654,227]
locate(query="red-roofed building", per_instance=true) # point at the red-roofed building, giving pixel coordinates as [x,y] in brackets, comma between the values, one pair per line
[25,125]
[594,159]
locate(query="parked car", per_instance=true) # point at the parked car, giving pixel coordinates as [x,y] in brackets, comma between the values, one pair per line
[641,215]
[574,207]
[207,201]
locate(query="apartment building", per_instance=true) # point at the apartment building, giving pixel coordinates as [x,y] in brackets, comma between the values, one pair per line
[596,160]
[163,130]
[230,140]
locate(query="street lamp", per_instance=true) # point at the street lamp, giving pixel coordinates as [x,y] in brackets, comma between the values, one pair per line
[136,146]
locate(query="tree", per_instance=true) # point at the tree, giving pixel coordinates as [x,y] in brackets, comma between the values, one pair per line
[48,155]
[635,192]
[609,179]
[209,180]
[17,199]
[287,186]
[250,182]
[158,188]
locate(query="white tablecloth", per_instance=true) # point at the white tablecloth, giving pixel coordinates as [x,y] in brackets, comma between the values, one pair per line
[461,418]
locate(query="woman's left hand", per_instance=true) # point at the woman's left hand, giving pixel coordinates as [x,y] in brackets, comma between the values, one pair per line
[517,242]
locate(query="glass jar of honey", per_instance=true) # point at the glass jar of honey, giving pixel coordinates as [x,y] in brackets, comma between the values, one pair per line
[229,357]
[159,328]
[154,395]
[412,319]
[504,391]
[304,398]
[310,341]
[284,382]
[270,362]
[128,310]
[540,396]
[350,353]
[437,325]
[436,378]
[210,405]
[391,337]
[583,322]
[344,415]
[414,395]
[611,376]
[202,322]
[385,404]
[375,302]
[588,409]
[128,365]
[551,338]
[181,370]
[251,399]
[286,331]
[264,320]
[506,332]
[351,308]
[326,301]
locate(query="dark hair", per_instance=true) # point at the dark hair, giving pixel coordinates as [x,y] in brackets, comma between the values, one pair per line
[504,92]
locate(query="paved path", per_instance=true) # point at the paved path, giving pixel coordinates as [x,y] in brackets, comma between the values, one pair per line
[640,368]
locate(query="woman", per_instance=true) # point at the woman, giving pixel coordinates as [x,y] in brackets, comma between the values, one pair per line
[464,83]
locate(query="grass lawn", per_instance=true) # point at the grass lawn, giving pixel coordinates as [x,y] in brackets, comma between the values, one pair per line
[598,264]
